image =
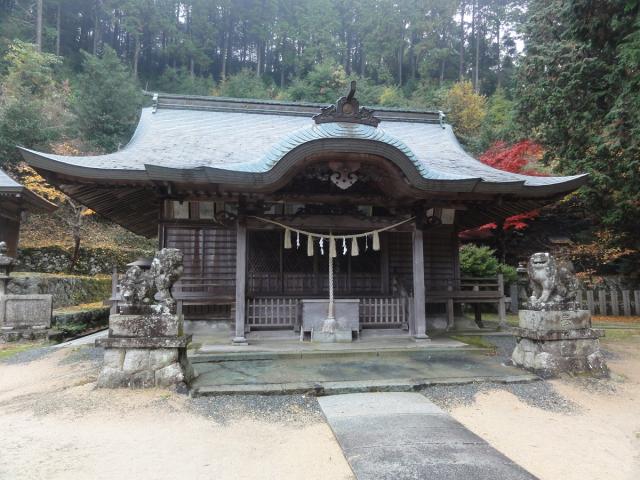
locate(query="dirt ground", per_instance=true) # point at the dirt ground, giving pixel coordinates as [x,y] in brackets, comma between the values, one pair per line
[600,440]
[55,425]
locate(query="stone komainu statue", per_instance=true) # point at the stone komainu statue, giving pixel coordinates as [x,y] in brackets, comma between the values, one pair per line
[151,290]
[166,269]
[553,282]
[136,287]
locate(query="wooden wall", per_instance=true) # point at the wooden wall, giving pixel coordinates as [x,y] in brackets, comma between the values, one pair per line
[9,231]
[441,258]
[209,260]
[401,258]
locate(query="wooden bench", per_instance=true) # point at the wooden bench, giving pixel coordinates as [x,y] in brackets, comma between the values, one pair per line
[474,291]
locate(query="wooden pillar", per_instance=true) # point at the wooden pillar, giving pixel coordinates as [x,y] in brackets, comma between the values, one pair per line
[384,263]
[502,310]
[241,279]
[419,313]
[114,291]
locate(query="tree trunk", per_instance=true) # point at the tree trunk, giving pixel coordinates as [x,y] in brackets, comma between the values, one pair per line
[461,53]
[476,68]
[400,57]
[76,232]
[499,75]
[58,31]
[259,57]
[96,26]
[136,55]
[39,25]
[442,65]
[225,48]
[282,64]
[347,54]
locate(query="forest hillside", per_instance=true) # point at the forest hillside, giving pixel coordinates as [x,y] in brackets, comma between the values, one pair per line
[537,87]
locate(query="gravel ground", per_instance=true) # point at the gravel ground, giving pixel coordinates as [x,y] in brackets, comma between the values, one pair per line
[26,356]
[303,409]
[537,394]
[84,353]
[296,409]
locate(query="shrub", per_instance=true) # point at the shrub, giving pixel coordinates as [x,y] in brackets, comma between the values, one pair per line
[179,80]
[244,84]
[393,97]
[325,83]
[479,261]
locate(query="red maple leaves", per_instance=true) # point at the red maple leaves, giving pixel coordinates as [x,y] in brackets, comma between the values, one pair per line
[520,157]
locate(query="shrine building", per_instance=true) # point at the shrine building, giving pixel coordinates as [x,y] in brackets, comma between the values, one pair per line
[277,205]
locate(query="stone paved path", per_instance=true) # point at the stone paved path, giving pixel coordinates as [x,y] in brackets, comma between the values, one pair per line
[403,436]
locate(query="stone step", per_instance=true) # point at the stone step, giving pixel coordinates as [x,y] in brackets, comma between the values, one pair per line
[354,354]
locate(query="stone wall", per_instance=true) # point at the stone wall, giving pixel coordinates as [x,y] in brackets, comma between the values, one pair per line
[90,317]
[67,290]
[144,367]
[92,261]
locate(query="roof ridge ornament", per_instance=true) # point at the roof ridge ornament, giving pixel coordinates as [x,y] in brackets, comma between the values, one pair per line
[347,109]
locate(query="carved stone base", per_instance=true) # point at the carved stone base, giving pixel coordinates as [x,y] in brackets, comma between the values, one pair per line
[26,311]
[145,351]
[548,343]
[10,334]
[337,336]
[135,363]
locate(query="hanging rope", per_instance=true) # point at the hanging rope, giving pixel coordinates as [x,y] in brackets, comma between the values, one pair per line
[332,248]
[330,314]
[326,236]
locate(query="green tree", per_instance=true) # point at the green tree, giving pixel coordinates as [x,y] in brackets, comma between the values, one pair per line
[466,110]
[107,100]
[325,83]
[393,97]
[179,80]
[32,104]
[500,121]
[578,96]
[244,84]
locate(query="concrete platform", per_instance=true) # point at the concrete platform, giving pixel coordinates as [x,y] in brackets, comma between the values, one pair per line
[403,436]
[211,348]
[324,373]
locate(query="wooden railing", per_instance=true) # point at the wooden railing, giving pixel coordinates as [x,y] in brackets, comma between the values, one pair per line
[610,302]
[284,312]
[273,312]
[472,291]
[312,284]
[384,312]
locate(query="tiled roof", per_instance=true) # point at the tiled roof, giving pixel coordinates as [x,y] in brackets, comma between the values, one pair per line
[7,184]
[16,192]
[226,136]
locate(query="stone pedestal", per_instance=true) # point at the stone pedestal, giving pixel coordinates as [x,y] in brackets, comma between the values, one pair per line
[550,342]
[145,351]
[347,319]
[23,317]
[338,336]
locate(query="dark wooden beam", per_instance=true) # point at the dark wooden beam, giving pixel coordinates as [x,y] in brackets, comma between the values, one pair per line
[419,305]
[241,282]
